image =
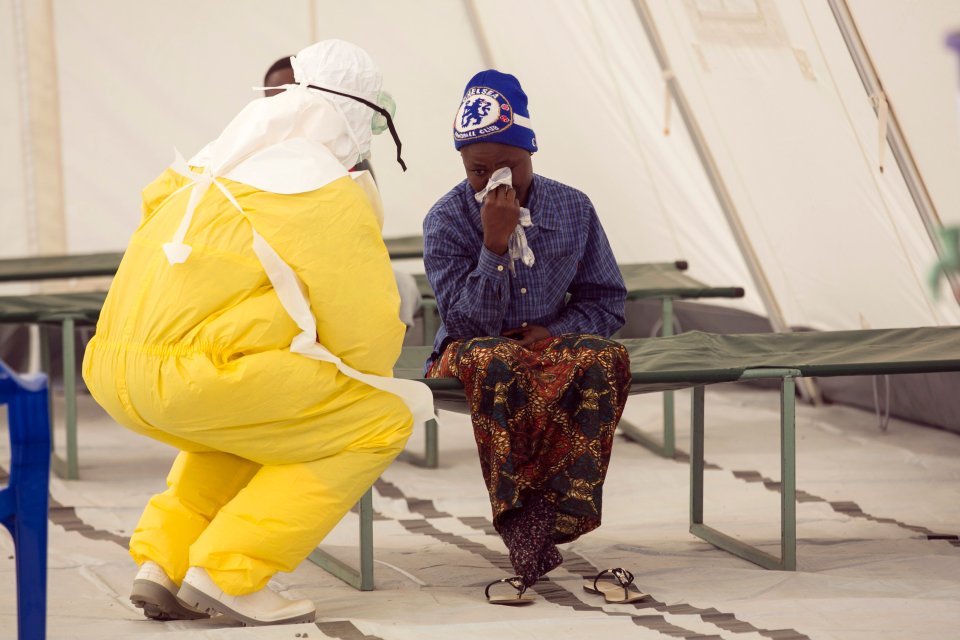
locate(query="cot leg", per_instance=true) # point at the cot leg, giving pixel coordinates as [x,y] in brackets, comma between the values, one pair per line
[70,396]
[788,475]
[58,464]
[431,457]
[431,448]
[366,541]
[65,468]
[432,445]
[362,579]
[696,456]
[788,523]
[667,448]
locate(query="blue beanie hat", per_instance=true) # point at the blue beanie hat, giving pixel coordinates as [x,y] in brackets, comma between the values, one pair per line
[494,109]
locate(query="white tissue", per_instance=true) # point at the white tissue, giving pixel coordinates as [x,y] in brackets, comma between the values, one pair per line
[517,244]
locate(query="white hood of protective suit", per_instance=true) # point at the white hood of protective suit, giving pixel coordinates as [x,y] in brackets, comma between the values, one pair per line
[301,139]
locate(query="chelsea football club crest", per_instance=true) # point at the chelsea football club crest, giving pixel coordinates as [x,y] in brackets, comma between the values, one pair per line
[483,112]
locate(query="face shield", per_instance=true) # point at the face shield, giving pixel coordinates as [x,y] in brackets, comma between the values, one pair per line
[352,82]
[383,112]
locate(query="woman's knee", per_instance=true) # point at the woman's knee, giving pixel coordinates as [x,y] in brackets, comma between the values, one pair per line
[610,362]
[618,354]
[492,355]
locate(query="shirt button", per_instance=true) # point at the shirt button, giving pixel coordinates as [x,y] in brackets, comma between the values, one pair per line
[523,324]
[499,267]
[523,289]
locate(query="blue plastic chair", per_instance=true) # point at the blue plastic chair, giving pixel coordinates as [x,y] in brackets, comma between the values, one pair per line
[24,501]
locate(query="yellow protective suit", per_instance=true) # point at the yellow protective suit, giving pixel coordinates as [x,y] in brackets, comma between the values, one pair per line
[275,446]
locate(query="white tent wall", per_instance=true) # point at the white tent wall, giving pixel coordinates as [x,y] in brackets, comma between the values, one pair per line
[794,135]
[157,80]
[597,104]
[905,40]
[31,177]
[597,101]
[14,240]
[770,83]
[36,117]
[124,110]
[137,80]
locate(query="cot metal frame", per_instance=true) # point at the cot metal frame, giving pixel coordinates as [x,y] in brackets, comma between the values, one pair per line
[788,476]
[666,447]
[404,247]
[65,467]
[37,268]
[886,351]
[362,578]
[678,287]
[66,312]
[430,459]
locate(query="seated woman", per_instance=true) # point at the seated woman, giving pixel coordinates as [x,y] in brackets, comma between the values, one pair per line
[528,290]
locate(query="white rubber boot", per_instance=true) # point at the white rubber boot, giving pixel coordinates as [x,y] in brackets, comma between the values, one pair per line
[258,608]
[155,593]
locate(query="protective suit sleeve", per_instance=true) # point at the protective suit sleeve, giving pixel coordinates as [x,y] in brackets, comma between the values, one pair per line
[156,193]
[331,239]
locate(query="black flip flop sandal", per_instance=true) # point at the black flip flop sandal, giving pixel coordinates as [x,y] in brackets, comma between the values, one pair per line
[512,600]
[614,593]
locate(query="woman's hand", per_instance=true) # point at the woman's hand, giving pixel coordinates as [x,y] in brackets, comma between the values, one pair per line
[527,335]
[500,215]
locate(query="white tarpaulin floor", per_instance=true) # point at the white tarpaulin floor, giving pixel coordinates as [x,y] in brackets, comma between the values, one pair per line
[871,506]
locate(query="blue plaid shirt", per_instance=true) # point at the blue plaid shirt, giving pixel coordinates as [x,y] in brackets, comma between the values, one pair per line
[477,295]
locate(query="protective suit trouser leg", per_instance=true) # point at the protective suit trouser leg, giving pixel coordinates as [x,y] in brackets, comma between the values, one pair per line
[199,484]
[286,510]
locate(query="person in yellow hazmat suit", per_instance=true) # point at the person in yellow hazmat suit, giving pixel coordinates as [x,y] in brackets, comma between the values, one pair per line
[253,325]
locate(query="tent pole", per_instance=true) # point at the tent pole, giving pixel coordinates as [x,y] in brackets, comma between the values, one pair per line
[40,125]
[895,138]
[774,312]
[478,33]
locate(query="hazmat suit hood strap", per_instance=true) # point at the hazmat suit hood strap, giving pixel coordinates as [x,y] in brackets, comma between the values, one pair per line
[292,296]
[382,111]
[177,250]
[290,290]
[294,142]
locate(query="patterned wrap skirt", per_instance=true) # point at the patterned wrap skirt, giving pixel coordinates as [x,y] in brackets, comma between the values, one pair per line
[543,418]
